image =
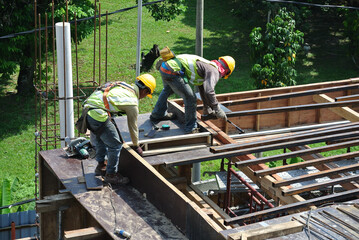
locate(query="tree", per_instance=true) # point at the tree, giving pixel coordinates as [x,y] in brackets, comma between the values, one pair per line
[275,52]
[167,10]
[17,53]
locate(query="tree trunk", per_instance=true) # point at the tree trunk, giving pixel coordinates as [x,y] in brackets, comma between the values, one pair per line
[25,81]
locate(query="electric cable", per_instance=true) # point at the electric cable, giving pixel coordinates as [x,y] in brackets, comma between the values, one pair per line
[314,4]
[78,20]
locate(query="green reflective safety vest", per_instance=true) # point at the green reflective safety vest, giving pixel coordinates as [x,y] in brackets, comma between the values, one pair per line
[117,96]
[188,62]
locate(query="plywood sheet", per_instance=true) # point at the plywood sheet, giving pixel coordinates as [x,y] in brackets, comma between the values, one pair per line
[123,208]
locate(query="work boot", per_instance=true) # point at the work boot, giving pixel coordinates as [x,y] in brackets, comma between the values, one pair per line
[168,116]
[115,179]
[100,169]
[194,130]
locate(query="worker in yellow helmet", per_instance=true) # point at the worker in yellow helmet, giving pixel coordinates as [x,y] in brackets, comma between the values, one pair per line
[182,70]
[109,99]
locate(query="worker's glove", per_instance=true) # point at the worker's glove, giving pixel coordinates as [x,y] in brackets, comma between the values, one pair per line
[138,150]
[220,114]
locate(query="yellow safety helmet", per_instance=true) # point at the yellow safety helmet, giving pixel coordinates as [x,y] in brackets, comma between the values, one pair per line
[149,81]
[230,63]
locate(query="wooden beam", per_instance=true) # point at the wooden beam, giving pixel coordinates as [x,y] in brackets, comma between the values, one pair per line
[271,231]
[53,202]
[344,112]
[82,234]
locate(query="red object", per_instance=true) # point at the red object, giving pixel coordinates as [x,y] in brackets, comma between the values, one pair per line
[13,233]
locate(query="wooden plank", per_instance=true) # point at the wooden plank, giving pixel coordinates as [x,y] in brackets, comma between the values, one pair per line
[82,234]
[53,202]
[92,182]
[344,112]
[271,231]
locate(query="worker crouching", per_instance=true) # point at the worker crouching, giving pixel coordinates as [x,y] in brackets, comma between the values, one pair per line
[178,73]
[109,99]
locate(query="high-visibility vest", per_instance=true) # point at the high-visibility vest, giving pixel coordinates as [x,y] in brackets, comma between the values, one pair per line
[117,96]
[188,62]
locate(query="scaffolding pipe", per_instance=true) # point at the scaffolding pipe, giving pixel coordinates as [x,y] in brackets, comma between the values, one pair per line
[138,52]
[64,70]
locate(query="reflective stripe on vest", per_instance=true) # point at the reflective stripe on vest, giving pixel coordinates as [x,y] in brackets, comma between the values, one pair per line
[188,62]
[117,96]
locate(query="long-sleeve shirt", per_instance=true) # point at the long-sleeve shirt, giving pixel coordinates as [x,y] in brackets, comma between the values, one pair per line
[210,77]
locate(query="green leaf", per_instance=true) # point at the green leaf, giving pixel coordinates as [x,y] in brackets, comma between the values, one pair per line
[5,195]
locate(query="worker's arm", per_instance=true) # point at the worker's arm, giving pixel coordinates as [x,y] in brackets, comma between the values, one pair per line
[210,77]
[132,114]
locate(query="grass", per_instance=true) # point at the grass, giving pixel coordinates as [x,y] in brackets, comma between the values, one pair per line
[224,34]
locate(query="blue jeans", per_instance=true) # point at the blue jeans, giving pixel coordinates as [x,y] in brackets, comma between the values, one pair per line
[176,84]
[107,142]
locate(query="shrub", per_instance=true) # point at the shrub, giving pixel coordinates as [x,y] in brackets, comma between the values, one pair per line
[274,53]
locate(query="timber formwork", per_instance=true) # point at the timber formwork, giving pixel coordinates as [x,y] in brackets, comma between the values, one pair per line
[161,202]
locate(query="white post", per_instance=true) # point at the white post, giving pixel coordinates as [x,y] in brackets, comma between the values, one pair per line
[139,23]
[64,71]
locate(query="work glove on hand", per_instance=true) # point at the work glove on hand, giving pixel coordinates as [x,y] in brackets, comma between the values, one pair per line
[138,150]
[220,114]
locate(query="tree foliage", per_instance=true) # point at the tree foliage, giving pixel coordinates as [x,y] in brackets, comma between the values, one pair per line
[167,10]
[17,53]
[274,52]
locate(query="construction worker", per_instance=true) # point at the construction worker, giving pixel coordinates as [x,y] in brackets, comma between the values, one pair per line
[108,99]
[183,69]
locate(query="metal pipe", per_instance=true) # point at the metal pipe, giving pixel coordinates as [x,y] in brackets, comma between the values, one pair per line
[228,190]
[297,153]
[293,206]
[311,187]
[240,152]
[285,130]
[292,108]
[297,136]
[94,47]
[99,43]
[315,175]
[106,46]
[13,232]
[139,25]
[40,75]
[53,64]
[299,165]
[77,69]
[254,191]
[287,95]
[46,83]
